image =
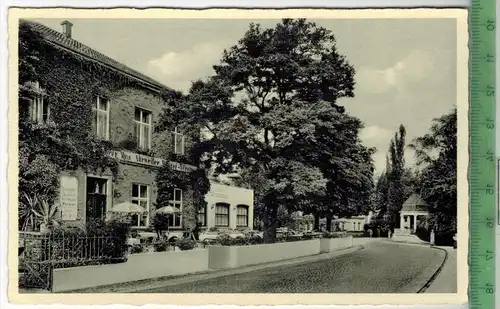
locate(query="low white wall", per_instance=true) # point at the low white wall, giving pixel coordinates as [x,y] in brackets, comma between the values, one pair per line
[333,244]
[138,267]
[235,256]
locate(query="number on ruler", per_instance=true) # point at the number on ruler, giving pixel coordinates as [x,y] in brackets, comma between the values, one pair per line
[489,189]
[489,223]
[490,58]
[490,155]
[489,255]
[490,91]
[490,124]
[490,25]
[489,288]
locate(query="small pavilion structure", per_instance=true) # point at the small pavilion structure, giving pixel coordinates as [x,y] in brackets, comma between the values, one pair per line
[413,210]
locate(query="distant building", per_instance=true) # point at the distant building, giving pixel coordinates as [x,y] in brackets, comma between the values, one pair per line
[228,207]
[353,224]
[414,210]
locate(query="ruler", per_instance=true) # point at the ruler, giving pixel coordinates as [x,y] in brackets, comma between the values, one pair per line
[483,215]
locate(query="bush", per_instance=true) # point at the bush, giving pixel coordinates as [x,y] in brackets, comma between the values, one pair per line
[255,240]
[118,230]
[137,248]
[334,234]
[328,235]
[186,244]
[161,246]
[444,239]
[357,234]
[422,231]
[224,240]
[239,241]
[160,222]
[307,237]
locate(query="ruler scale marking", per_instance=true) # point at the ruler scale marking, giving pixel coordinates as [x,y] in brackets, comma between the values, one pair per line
[482,165]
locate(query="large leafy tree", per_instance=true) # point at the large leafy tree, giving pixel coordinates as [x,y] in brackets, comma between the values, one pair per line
[271,111]
[437,155]
[288,79]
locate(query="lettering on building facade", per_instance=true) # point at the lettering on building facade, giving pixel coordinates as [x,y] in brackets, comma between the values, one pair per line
[135,158]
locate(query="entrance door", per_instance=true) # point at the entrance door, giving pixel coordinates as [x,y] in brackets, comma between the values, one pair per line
[96,198]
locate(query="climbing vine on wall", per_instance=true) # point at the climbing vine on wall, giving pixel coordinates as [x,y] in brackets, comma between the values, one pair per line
[70,84]
[167,180]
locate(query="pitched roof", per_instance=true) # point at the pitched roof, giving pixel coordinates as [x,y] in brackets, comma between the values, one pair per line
[414,203]
[61,40]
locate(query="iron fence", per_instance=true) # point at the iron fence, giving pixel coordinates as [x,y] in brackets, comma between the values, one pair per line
[40,254]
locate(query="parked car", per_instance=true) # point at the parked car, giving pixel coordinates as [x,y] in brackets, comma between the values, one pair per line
[455,241]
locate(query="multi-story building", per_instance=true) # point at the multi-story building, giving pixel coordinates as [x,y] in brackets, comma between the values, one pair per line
[125,114]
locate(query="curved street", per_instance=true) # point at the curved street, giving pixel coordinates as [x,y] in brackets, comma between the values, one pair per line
[380,267]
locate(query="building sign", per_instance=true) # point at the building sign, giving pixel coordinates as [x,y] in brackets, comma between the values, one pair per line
[135,158]
[68,198]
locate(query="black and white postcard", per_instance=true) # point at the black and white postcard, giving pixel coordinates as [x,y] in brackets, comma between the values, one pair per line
[253,157]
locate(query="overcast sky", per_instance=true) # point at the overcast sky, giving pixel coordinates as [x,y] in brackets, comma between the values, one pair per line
[405,68]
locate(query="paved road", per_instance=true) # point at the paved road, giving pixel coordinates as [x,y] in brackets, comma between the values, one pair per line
[379,268]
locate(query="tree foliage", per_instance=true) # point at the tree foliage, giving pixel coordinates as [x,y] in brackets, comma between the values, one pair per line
[396,191]
[396,183]
[437,155]
[270,112]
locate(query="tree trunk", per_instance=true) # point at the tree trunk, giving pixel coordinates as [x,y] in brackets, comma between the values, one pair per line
[316,221]
[329,218]
[270,223]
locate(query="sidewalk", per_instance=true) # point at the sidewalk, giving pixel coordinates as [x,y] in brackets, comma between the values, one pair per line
[446,280]
[139,286]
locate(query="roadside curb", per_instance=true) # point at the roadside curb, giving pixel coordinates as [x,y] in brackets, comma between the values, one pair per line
[438,271]
[423,243]
[424,280]
[144,285]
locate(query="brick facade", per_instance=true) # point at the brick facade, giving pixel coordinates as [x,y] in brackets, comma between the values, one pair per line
[124,90]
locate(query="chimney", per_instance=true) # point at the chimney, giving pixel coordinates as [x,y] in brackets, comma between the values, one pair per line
[67,28]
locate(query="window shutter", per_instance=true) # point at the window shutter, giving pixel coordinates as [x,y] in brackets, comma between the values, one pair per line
[137,133]
[45,109]
[94,121]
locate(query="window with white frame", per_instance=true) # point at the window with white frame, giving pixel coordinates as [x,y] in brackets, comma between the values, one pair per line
[101,114]
[142,130]
[175,219]
[140,196]
[242,216]
[39,109]
[222,214]
[178,139]
[202,216]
